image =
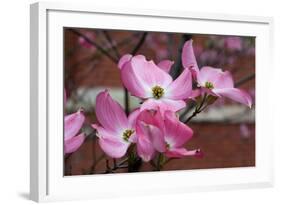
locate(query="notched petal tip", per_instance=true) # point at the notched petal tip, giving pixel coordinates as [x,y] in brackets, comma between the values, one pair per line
[166,65]
[123,60]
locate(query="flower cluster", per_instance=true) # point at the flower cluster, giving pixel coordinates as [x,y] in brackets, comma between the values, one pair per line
[154,128]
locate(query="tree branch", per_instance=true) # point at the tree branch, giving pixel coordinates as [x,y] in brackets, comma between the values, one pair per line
[244,80]
[100,48]
[109,39]
[139,44]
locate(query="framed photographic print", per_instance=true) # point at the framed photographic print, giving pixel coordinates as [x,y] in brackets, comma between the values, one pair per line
[147,101]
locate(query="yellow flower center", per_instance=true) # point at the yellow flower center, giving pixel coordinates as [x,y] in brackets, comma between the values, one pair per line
[157,92]
[209,85]
[127,134]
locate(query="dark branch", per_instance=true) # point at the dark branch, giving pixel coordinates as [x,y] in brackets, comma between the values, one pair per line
[245,79]
[100,48]
[139,44]
[109,39]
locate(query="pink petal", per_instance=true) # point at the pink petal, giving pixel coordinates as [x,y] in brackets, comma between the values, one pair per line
[151,116]
[124,59]
[133,117]
[132,81]
[72,144]
[109,113]
[145,147]
[150,124]
[180,88]
[113,146]
[236,95]
[150,73]
[224,80]
[72,124]
[163,104]
[188,58]
[173,105]
[103,132]
[182,152]
[165,65]
[177,133]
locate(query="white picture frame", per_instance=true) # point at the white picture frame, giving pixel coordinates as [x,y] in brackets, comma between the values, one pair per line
[47,182]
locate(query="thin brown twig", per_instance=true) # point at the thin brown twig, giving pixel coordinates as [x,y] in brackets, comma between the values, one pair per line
[139,44]
[119,165]
[244,80]
[197,109]
[100,48]
[92,57]
[109,39]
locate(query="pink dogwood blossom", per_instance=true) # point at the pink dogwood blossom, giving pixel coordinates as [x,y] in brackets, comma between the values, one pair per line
[72,124]
[218,83]
[116,131]
[153,84]
[213,80]
[164,134]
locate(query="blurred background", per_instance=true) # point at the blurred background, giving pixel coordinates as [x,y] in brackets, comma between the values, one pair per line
[225,132]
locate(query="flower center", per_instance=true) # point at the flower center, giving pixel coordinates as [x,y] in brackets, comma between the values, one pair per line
[209,85]
[157,92]
[168,146]
[127,134]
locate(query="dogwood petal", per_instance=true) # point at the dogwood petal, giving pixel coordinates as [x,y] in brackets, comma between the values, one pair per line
[151,124]
[124,59]
[173,105]
[113,147]
[145,148]
[72,144]
[103,132]
[177,133]
[163,104]
[109,113]
[150,73]
[236,95]
[133,118]
[224,80]
[133,82]
[182,152]
[72,124]
[180,88]
[188,58]
[166,65]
